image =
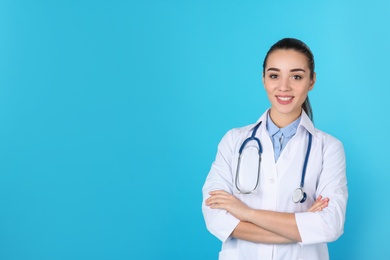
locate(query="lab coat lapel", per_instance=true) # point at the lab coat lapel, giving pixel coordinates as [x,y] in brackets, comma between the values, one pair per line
[291,159]
[269,172]
[293,155]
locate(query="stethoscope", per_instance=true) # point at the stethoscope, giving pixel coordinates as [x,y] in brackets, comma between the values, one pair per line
[298,195]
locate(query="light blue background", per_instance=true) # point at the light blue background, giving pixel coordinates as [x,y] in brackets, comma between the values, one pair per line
[111,112]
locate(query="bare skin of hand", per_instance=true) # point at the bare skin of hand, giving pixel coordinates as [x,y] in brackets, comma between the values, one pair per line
[220,199]
[319,204]
[266,226]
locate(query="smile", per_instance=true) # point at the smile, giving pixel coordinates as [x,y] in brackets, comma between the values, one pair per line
[284,98]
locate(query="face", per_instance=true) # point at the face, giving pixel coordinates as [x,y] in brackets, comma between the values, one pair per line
[287,82]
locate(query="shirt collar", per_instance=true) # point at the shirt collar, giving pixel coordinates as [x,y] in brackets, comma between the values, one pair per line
[287,131]
[304,122]
[271,127]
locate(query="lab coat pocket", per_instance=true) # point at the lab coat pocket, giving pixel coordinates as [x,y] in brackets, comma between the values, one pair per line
[230,254]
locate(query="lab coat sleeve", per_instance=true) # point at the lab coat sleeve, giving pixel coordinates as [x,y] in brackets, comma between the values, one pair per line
[327,225]
[219,222]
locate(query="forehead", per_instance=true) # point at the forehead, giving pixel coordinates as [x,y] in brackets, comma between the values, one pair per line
[287,59]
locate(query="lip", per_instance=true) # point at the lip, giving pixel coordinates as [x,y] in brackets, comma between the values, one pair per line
[284,100]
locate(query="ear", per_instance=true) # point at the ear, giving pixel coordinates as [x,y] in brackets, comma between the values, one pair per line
[313,81]
[262,79]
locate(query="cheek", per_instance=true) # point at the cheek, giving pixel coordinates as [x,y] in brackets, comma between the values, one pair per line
[269,91]
[304,89]
[303,95]
[269,87]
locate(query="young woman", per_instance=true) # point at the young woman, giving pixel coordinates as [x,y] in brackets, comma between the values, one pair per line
[263,195]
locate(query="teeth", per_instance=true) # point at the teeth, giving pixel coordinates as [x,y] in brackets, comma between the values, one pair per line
[284,98]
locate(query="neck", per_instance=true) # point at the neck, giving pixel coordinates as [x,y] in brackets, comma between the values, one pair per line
[283,120]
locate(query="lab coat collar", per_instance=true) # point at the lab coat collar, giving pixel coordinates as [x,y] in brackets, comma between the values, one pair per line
[305,122]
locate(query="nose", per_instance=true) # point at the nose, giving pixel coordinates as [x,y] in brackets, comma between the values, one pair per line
[284,84]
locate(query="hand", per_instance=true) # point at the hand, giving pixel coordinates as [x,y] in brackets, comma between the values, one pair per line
[220,199]
[319,204]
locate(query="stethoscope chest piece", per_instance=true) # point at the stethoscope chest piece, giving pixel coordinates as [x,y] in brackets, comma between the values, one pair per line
[299,196]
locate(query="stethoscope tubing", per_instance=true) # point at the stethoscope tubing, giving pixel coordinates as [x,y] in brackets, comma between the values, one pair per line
[306,161]
[260,151]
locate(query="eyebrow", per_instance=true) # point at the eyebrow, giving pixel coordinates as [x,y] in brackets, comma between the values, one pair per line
[293,70]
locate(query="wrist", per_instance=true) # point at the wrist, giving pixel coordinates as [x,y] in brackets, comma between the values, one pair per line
[249,215]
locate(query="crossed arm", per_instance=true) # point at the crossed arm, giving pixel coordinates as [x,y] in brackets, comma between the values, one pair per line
[261,226]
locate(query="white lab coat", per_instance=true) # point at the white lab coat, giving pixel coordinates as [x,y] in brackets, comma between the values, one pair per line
[325,175]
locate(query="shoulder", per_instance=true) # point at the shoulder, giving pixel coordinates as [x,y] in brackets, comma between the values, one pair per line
[238,132]
[241,130]
[328,142]
[231,140]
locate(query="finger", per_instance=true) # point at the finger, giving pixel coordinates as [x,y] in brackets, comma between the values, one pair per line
[210,201]
[225,196]
[215,200]
[218,204]
[324,199]
[316,206]
[217,196]
[218,192]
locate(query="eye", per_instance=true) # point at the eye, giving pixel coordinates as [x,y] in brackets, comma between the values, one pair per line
[273,76]
[297,77]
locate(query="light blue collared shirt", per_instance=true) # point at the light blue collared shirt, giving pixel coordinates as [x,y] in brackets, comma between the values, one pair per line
[280,136]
